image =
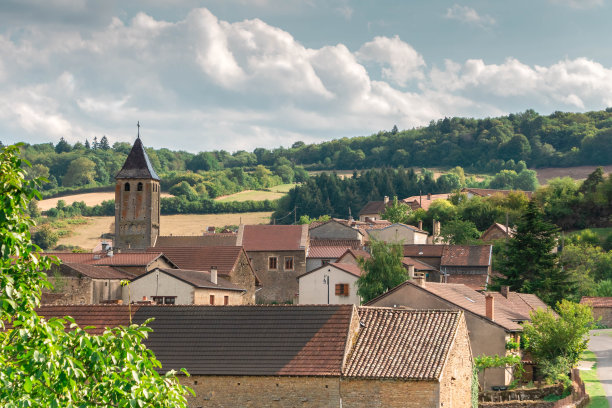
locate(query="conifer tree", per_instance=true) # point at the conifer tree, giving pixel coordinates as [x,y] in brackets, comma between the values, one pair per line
[528,263]
[87,145]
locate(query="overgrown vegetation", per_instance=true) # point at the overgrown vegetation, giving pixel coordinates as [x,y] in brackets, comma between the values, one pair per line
[382,271]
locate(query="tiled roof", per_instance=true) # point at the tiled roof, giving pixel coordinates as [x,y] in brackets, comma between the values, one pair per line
[118,259]
[137,164]
[374,207]
[99,316]
[348,243]
[472,281]
[426,251]
[225,258]
[418,265]
[349,268]
[358,253]
[596,301]
[219,239]
[94,272]
[198,279]
[407,344]
[273,237]
[249,340]
[487,192]
[400,225]
[424,201]
[330,252]
[466,255]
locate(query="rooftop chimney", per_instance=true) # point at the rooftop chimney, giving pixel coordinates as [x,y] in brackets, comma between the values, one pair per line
[419,280]
[490,313]
[110,253]
[505,290]
[420,224]
[411,271]
[429,196]
[213,274]
[386,199]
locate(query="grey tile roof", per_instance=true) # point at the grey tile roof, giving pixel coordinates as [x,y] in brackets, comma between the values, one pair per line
[407,344]
[137,165]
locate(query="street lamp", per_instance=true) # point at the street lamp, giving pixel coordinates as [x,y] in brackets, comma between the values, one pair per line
[326,282]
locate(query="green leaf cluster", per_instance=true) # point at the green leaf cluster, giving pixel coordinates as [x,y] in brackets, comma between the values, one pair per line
[382,271]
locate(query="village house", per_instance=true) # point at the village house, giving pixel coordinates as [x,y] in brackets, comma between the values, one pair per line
[185,287]
[278,256]
[602,308]
[493,318]
[134,263]
[467,264]
[373,209]
[331,284]
[306,356]
[399,234]
[335,229]
[231,262]
[497,231]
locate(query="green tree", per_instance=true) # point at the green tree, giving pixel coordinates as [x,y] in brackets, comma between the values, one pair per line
[45,237]
[382,271]
[557,338]
[62,146]
[459,232]
[80,171]
[54,363]
[104,145]
[528,263]
[397,212]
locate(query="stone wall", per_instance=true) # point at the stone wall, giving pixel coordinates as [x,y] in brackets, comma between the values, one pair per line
[68,290]
[456,378]
[202,297]
[243,277]
[278,285]
[390,394]
[606,315]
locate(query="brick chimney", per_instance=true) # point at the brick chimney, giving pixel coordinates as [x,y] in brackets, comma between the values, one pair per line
[505,290]
[490,307]
[213,274]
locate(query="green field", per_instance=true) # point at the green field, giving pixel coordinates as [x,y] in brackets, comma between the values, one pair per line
[275,193]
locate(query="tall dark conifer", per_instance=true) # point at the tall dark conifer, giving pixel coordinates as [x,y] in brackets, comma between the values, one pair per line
[529,263]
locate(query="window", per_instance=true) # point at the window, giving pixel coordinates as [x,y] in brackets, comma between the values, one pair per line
[212,299]
[164,300]
[288,263]
[226,300]
[139,187]
[272,262]
[342,289]
[126,187]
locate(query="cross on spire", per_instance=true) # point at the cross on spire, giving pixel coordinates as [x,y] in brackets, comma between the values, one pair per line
[138,124]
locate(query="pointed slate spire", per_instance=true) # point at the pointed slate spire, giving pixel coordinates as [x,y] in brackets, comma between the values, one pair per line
[137,165]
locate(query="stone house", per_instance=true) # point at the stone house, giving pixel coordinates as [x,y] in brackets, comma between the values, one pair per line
[83,284]
[231,262]
[466,264]
[602,308]
[399,234]
[278,256]
[373,209]
[306,356]
[492,319]
[185,287]
[497,231]
[332,284]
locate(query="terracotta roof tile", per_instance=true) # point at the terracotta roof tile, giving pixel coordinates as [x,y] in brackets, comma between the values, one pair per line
[596,301]
[472,281]
[348,243]
[428,251]
[331,252]
[375,207]
[220,239]
[407,344]
[225,258]
[118,259]
[418,265]
[94,271]
[99,316]
[466,255]
[273,237]
[349,268]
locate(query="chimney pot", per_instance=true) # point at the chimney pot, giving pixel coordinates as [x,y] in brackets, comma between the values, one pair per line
[213,274]
[490,307]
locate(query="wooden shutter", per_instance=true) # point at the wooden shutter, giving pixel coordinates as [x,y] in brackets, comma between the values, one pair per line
[338,289]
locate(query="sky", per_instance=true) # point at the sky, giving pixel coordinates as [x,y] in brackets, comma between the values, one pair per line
[240,74]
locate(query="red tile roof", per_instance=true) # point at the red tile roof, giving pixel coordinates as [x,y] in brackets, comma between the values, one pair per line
[348,243]
[349,268]
[197,279]
[327,252]
[596,301]
[418,265]
[225,258]
[472,281]
[99,316]
[407,344]
[273,237]
[466,255]
[426,251]
[218,239]
[375,207]
[118,259]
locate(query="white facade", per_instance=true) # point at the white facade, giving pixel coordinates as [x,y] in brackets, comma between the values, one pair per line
[319,287]
[157,283]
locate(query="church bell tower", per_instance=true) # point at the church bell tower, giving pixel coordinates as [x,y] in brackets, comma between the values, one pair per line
[137,194]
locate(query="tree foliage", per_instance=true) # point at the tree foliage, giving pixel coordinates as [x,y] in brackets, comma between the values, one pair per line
[54,363]
[397,212]
[382,271]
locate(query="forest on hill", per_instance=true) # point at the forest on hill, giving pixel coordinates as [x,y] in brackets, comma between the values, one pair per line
[484,145]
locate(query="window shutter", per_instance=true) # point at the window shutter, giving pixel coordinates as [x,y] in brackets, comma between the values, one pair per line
[346,289]
[338,289]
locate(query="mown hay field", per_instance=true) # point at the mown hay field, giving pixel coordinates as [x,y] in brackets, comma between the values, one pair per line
[90,199]
[275,193]
[88,235]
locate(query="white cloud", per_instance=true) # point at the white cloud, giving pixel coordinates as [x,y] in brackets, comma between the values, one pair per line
[400,61]
[468,15]
[579,4]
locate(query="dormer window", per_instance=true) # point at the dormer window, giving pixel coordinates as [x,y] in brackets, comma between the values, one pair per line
[127,187]
[139,188]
